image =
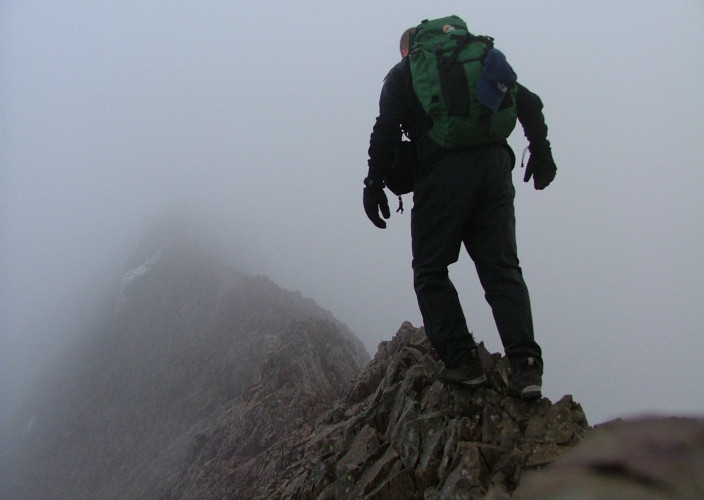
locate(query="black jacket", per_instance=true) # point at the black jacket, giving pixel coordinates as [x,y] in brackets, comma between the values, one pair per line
[400,110]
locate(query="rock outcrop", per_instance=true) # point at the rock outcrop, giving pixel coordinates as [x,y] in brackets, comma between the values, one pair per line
[296,385]
[399,434]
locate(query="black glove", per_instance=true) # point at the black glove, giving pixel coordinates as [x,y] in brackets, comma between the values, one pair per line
[541,166]
[375,200]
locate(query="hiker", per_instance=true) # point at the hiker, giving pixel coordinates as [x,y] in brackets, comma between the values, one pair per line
[464,196]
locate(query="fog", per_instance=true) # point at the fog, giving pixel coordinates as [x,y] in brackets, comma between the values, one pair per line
[259,113]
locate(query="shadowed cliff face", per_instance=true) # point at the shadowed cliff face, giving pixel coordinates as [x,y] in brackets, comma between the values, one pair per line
[183,344]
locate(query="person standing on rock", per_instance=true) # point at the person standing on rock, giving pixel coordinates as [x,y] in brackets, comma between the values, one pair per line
[462,191]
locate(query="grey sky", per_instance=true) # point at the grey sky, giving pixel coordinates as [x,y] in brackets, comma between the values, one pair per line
[261,111]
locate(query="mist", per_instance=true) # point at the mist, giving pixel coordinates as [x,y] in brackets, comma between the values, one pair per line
[258,114]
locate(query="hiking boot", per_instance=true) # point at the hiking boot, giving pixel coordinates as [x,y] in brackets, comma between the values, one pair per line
[469,375]
[526,382]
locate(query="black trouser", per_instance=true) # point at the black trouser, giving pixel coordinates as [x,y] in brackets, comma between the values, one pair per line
[467,197]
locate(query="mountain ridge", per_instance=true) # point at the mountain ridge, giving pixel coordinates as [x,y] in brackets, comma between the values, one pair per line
[177,343]
[199,381]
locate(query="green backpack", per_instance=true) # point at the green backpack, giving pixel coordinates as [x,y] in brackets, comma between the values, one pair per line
[446,62]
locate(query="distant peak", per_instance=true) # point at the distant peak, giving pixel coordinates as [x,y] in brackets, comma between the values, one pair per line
[178,227]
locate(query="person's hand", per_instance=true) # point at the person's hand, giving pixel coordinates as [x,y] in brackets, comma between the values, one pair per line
[375,201]
[540,166]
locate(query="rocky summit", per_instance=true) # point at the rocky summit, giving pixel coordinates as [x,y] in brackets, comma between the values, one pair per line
[399,434]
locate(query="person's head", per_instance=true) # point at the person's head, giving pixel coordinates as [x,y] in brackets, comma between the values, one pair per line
[405,45]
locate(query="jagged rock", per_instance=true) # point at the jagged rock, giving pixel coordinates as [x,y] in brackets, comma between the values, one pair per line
[296,385]
[398,433]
